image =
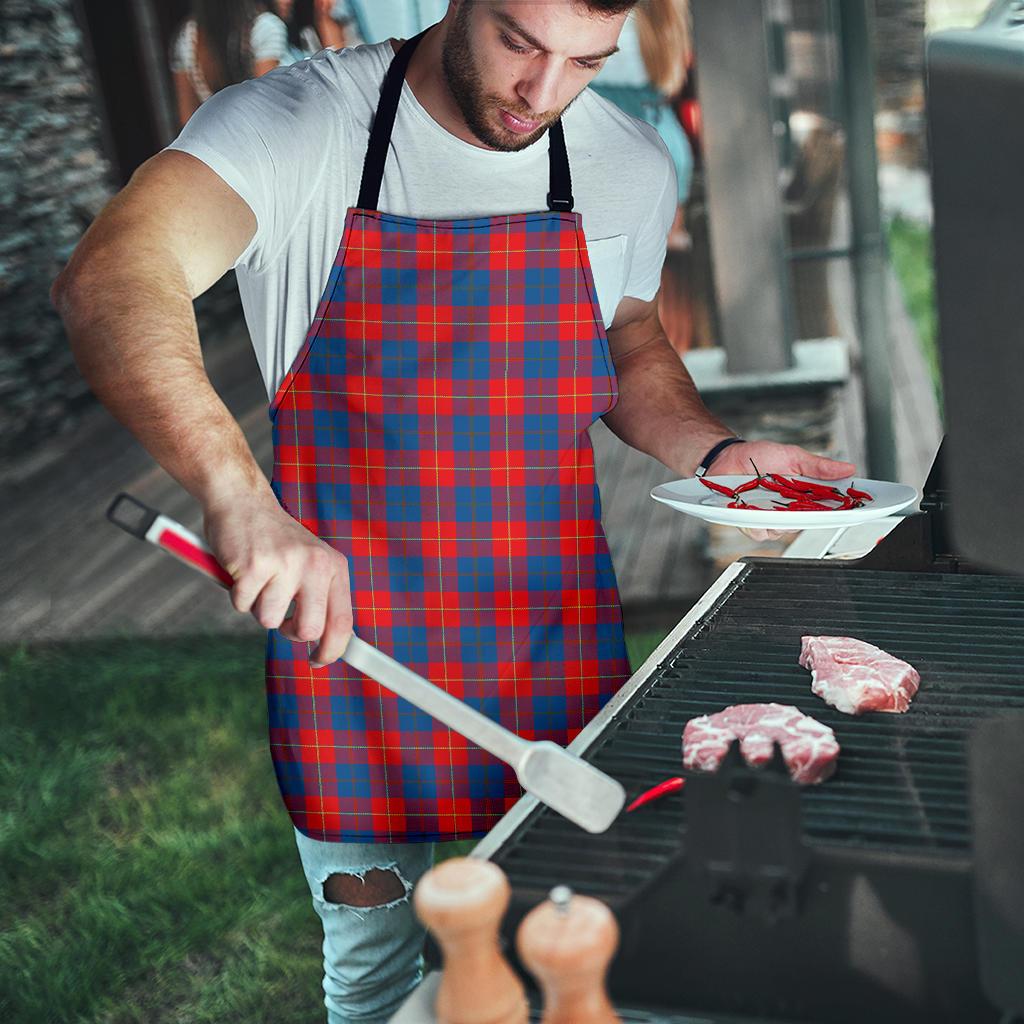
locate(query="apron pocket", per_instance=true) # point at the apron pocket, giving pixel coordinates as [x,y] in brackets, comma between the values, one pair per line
[608,265]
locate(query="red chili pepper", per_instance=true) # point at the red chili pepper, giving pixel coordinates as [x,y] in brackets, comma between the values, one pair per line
[750,485]
[815,490]
[862,495]
[721,489]
[668,786]
[807,505]
[787,492]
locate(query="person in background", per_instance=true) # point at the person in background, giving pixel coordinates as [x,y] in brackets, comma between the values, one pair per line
[372,21]
[313,25]
[644,78]
[223,42]
[649,72]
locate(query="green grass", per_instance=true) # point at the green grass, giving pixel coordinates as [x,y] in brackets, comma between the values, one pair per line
[147,867]
[910,247]
[149,872]
[639,646]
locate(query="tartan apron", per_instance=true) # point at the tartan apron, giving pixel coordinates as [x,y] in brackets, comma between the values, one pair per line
[433,429]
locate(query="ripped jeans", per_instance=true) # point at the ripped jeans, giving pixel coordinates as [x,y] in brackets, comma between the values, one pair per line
[372,954]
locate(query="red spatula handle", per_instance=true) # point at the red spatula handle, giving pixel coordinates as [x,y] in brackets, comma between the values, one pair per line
[147,524]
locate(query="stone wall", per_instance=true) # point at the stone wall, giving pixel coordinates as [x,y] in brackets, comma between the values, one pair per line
[54,178]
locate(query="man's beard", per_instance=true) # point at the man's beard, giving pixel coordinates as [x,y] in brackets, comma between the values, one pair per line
[465,84]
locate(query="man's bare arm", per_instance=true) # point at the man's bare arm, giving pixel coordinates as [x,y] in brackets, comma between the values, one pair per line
[659,410]
[661,413]
[126,300]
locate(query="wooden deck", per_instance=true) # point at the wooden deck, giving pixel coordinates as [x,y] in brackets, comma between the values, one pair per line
[68,573]
[71,573]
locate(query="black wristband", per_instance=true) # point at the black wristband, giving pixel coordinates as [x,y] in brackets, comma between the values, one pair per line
[705,463]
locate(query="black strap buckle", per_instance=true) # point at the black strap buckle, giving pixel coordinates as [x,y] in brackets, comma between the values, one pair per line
[560,205]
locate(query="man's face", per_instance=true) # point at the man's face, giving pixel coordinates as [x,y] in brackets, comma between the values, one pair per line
[513,66]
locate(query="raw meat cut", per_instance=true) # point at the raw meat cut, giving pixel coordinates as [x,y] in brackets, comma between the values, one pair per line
[855,677]
[808,747]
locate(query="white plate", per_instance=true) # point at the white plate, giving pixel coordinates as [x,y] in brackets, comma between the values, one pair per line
[693,498]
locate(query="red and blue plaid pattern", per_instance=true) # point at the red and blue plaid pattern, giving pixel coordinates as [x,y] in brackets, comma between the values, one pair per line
[433,429]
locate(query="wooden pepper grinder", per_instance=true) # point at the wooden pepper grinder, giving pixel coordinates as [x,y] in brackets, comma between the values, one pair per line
[462,901]
[567,943]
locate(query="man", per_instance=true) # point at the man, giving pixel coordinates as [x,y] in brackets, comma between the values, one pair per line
[430,412]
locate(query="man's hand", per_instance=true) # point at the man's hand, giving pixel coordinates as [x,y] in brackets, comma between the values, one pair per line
[771,457]
[274,561]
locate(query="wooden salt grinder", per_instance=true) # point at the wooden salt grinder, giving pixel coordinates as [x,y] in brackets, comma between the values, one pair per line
[567,943]
[462,901]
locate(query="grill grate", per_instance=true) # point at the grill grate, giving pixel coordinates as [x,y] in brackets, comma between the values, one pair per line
[901,785]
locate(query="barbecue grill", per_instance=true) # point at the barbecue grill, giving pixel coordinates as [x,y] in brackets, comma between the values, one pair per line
[748,896]
[895,890]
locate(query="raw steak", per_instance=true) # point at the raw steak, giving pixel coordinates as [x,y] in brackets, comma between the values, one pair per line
[808,747]
[855,677]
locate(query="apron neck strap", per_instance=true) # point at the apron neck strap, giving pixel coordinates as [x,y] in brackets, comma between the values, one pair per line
[383,122]
[560,185]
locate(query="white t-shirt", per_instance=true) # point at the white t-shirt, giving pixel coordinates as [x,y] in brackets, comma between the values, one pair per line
[292,144]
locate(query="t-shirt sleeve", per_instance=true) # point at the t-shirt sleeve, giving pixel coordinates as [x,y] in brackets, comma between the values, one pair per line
[652,238]
[269,38]
[269,139]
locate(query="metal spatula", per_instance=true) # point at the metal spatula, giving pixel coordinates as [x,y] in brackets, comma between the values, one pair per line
[564,782]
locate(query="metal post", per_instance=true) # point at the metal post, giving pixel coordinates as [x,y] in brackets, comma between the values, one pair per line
[867,238]
[154,63]
[742,173]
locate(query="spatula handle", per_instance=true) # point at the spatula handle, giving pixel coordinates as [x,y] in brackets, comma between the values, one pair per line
[467,721]
[147,524]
